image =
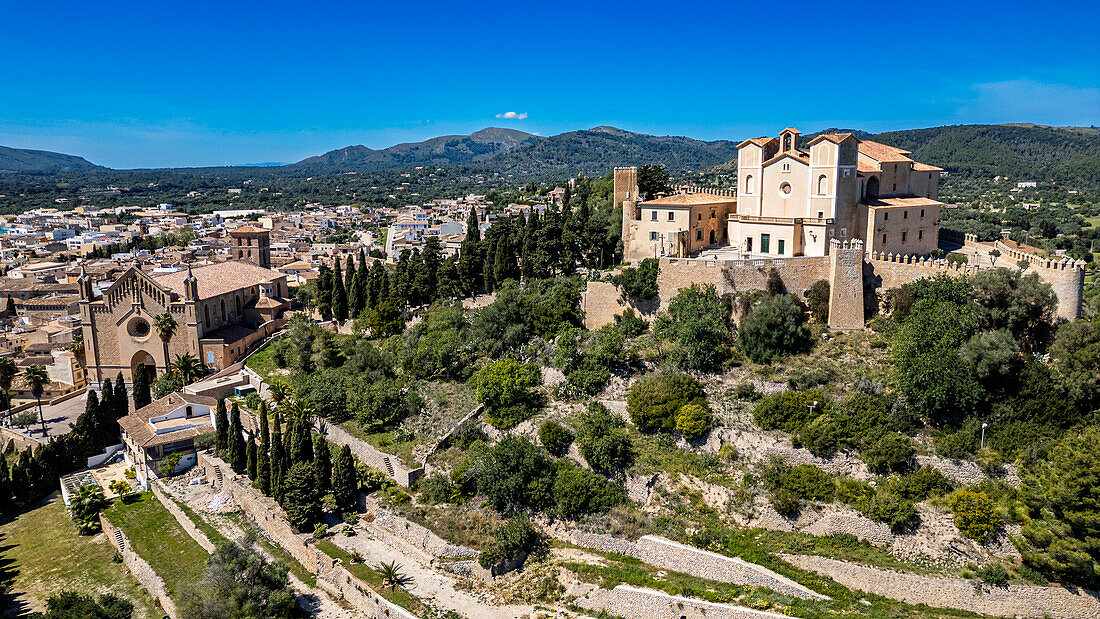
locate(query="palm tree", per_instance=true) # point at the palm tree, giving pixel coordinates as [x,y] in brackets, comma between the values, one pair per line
[392,576]
[189,368]
[302,409]
[166,328]
[37,379]
[280,391]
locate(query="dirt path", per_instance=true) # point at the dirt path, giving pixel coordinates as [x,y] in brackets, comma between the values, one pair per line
[428,584]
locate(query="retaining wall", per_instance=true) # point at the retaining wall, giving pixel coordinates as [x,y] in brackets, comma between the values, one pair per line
[141,569]
[421,537]
[173,508]
[389,464]
[638,603]
[1010,601]
[271,519]
[670,555]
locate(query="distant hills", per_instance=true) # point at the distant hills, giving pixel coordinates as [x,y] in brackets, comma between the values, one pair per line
[23,160]
[1035,152]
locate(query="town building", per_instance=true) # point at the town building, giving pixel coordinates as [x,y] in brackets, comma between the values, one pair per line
[167,426]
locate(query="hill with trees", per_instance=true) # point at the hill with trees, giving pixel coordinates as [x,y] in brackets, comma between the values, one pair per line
[23,160]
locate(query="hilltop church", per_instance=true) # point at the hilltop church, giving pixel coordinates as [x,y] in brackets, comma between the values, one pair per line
[791,199]
[220,310]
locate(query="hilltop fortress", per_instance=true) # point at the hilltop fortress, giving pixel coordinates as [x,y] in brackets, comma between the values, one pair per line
[858,214]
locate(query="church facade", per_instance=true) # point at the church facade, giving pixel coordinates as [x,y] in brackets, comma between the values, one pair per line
[220,311]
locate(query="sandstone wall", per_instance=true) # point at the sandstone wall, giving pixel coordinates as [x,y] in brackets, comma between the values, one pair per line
[638,603]
[1011,601]
[173,508]
[389,464]
[420,537]
[731,276]
[139,567]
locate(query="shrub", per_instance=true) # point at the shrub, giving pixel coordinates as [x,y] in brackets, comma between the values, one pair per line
[578,491]
[505,387]
[320,531]
[788,484]
[513,538]
[824,435]
[891,509]
[854,492]
[993,574]
[693,421]
[640,282]
[699,322]
[891,452]
[975,514]
[655,398]
[436,489]
[630,324]
[789,411]
[920,485]
[774,328]
[817,300]
[555,437]
[602,441]
[746,391]
[253,401]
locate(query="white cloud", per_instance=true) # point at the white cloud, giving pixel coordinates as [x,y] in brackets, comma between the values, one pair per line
[513,115]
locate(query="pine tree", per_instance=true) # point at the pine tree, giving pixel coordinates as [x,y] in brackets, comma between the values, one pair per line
[345,486]
[264,464]
[322,465]
[339,295]
[142,396]
[278,461]
[237,452]
[221,438]
[121,399]
[253,472]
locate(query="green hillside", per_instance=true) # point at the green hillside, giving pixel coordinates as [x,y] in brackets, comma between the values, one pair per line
[23,160]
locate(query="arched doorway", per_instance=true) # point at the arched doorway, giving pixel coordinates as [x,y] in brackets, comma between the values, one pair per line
[140,357]
[872,187]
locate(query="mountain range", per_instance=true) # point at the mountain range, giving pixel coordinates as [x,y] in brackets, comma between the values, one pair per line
[1069,154]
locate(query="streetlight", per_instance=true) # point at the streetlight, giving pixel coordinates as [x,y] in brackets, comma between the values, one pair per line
[812,407]
[983,435]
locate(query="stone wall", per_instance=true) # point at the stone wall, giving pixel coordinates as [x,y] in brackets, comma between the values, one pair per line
[271,519]
[731,276]
[1010,601]
[638,603]
[173,508]
[670,555]
[420,537]
[389,464]
[139,567]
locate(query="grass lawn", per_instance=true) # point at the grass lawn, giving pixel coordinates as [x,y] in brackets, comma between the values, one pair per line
[159,539]
[41,555]
[367,574]
[263,361]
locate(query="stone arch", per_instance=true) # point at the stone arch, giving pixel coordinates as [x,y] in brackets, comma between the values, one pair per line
[143,356]
[822,185]
[750,184]
[872,187]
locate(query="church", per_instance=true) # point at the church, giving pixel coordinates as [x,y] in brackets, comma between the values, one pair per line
[221,310]
[791,200]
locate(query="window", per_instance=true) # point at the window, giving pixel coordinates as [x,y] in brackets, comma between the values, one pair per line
[905,214]
[712,215]
[884,239]
[847,173]
[822,185]
[748,244]
[895,186]
[903,236]
[765,243]
[922,213]
[671,216]
[920,235]
[210,356]
[786,167]
[886,216]
[698,235]
[843,232]
[653,235]
[189,412]
[821,214]
[781,243]
[784,189]
[750,184]
[653,216]
[700,217]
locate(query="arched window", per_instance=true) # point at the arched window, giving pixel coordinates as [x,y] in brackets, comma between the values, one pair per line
[750,184]
[188,412]
[787,142]
[207,309]
[238,304]
[223,310]
[822,185]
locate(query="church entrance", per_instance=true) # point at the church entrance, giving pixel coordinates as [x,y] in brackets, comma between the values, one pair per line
[150,365]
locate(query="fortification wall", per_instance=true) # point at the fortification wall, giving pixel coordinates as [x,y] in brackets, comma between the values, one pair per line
[1010,601]
[139,567]
[732,276]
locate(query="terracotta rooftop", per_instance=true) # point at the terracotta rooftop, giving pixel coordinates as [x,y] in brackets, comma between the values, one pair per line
[832,137]
[758,141]
[883,153]
[136,424]
[796,155]
[689,199]
[249,230]
[924,167]
[908,202]
[220,278]
[866,168]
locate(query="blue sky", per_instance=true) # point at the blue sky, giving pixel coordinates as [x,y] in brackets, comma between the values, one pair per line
[150,84]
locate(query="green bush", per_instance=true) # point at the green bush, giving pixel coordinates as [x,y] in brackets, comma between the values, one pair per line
[506,389]
[513,538]
[578,491]
[824,435]
[436,489]
[746,391]
[555,437]
[788,486]
[891,509]
[993,574]
[640,282]
[693,421]
[654,400]
[920,485]
[891,452]
[602,441]
[975,514]
[854,492]
[773,329]
[789,411]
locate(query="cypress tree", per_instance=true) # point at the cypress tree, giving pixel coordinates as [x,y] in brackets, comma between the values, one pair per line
[322,465]
[339,294]
[264,463]
[20,484]
[278,461]
[92,426]
[5,485]
[530,247]
[345,486]
[299,447]
[363,281]
[349,274]
[324,292]
[253,473]
[9,309]
[121,401]
[300,497]
[237,450]
[142,396]
[469,256]
[221,421]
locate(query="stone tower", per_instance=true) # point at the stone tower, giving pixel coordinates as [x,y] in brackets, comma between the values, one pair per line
[626,194]
[845,285]
[252,243]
